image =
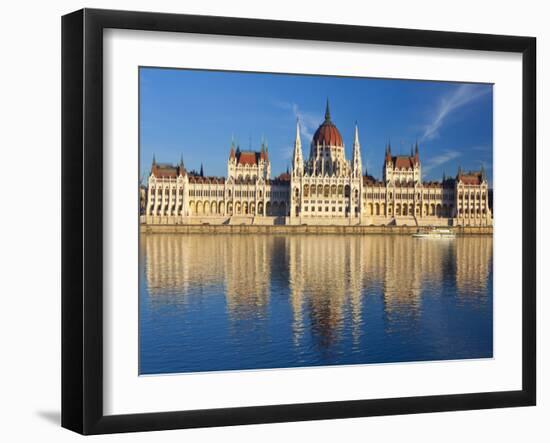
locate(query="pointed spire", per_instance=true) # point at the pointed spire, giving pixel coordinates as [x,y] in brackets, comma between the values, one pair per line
[388,152]
[483,174]
[356,158]
[202,171]
[297,160]
[327,112]
[181,161]
[181,166]
[232,148]
[154,165]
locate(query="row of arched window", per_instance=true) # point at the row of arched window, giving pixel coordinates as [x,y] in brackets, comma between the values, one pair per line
[325,191]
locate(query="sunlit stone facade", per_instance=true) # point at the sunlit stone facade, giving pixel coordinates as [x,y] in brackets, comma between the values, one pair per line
[325,189]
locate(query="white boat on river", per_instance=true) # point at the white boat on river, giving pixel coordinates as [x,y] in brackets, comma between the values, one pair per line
[437,233]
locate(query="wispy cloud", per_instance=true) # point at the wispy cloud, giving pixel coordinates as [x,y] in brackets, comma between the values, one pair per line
[287,152]
[441,159]
[460,96]
[309,121]
[486,165]
[367,164]
[482,148]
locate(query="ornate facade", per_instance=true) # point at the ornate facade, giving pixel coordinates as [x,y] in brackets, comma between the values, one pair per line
[325,189]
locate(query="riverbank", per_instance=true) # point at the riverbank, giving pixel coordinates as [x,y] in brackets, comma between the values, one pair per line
[301,229]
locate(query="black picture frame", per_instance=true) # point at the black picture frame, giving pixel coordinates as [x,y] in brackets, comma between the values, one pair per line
[82,217]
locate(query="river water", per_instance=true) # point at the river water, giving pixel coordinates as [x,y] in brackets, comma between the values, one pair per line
[211,302]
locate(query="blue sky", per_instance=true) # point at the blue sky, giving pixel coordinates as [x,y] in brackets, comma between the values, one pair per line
[195,114]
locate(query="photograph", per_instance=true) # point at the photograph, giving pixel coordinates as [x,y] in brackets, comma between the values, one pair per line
[293,220]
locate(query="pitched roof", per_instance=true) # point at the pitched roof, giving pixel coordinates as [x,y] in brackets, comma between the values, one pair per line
[163,170]
[403,161]
[212,180]
[474,178]
[247,158]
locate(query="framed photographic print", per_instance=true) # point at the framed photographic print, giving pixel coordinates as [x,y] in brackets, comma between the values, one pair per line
[269,221]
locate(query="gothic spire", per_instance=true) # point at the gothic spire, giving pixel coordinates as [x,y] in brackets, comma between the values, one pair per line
[297,160]
[356,160]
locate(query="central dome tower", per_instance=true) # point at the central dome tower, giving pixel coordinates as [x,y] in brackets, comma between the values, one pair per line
[327,154]
[327,134]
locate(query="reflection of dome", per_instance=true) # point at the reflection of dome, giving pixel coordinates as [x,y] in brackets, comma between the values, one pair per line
[327,133]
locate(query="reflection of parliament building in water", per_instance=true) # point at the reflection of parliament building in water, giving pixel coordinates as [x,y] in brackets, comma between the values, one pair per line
[325,189]
[326,282]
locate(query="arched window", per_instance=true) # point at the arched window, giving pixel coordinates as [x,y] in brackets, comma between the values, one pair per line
[306,190]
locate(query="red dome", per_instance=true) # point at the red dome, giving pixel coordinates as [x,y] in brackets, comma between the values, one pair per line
[328,134]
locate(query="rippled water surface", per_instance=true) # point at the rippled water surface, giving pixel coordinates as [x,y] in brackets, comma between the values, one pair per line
[228,302]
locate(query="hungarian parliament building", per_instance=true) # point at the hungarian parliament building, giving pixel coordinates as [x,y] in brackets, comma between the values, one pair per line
[325,189]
